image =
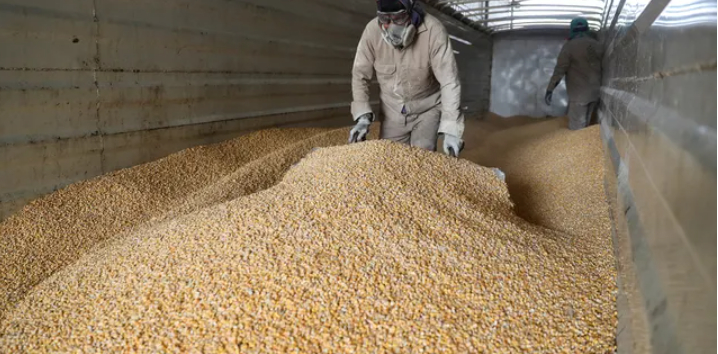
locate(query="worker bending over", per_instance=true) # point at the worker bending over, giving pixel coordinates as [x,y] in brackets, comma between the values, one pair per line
[580,61]
[418,79]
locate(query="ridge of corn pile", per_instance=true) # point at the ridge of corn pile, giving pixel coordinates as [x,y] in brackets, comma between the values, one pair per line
[367,248]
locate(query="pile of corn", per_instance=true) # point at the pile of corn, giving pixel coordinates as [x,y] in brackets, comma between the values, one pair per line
[54,231]
[372,247]
[576,166]
[555,176]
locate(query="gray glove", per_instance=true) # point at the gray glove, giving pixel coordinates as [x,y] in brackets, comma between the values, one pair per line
[452,145]
[361,129]
[549,96]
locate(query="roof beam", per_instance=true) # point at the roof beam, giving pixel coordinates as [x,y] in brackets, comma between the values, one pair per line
[560,24]
[482,9]
[533,25]
[581,8]
[537,17]
[458,2]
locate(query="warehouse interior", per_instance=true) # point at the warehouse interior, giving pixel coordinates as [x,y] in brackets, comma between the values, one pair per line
[123,124]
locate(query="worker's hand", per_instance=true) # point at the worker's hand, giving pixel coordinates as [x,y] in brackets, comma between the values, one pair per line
[361,129]
[452,145]
[549,96]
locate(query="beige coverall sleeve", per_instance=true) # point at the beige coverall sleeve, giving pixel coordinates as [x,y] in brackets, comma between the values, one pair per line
[362,73]
[562,64]
[443,65]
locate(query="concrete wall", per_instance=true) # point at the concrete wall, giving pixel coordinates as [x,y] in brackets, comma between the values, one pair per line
[91,86]
[523,63]
[658,115]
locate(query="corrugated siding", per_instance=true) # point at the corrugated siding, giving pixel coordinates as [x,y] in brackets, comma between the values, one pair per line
[90,86]
[658,116]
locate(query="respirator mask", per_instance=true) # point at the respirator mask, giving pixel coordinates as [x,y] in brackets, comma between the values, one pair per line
[397,29]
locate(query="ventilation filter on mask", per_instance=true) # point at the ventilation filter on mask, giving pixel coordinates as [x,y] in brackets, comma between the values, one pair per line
[408,37]
[399,37]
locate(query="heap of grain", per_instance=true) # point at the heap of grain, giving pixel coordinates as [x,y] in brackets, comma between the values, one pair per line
[562,190]
[54,231]
[372,247]
[555,177]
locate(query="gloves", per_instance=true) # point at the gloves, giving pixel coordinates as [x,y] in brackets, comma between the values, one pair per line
[452,145]
[549,96]
[360,130]
[500,174]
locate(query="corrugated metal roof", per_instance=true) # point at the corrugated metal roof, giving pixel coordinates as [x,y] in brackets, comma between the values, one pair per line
[507,15]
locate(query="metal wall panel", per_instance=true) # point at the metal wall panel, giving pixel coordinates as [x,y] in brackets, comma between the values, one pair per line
[658,111]
[522,67]
[90,86]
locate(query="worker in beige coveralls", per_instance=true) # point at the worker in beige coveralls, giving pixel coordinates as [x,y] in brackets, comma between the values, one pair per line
[418,79]
[580,61]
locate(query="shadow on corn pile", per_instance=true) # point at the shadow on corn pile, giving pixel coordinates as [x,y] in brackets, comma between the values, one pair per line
[555,176]
[369,247]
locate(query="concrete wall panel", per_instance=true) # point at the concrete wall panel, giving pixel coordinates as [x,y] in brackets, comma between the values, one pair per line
[123,150]
[41,105]
[45,35]
[29,170]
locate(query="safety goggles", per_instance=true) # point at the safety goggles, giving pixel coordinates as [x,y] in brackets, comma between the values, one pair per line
[400,17]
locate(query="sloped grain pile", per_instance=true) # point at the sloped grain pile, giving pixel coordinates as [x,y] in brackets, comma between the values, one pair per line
[372,247]
[55,230]
[555,178]
[558,182]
